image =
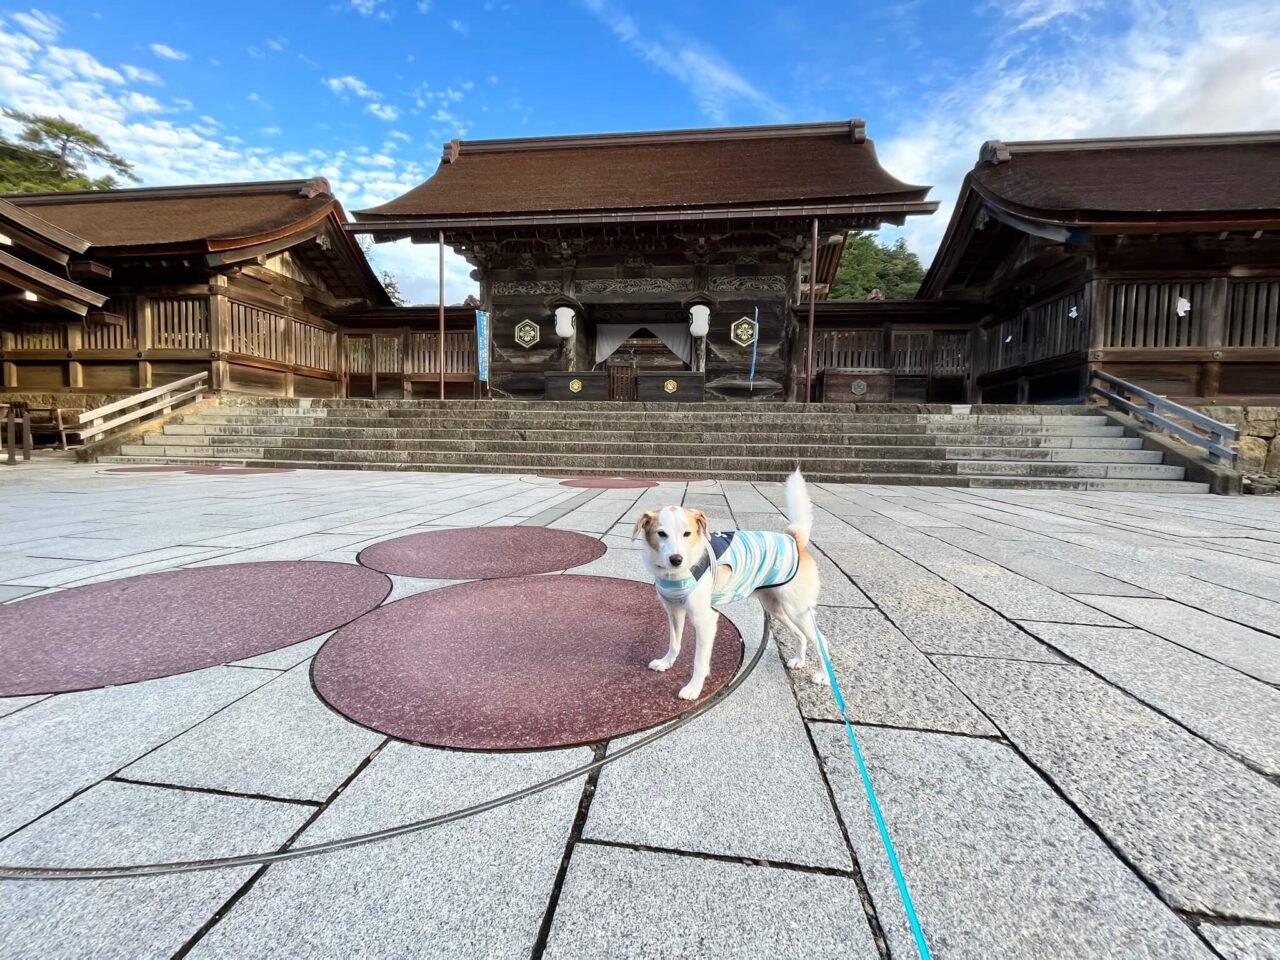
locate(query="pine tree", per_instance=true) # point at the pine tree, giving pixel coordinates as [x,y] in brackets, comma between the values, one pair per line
[51,153]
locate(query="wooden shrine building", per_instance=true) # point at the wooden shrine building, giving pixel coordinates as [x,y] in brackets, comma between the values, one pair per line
[115,291]
[634,265]
[1155,259]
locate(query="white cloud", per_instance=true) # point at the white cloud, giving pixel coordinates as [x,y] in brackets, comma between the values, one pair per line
[383,111]
[277,45]
[41,25]
[370,8]
[1031,14]
[136,102]
[1183,66]
[270,131]
[400,135]
[349,84]
[166,52]
[716,86]
[140,75]
[424,6]
[459,27]
[62,63]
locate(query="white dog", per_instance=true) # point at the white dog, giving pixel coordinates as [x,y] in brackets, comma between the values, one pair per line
[696,571]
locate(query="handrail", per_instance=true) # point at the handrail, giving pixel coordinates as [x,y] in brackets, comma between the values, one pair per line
[1221,438]
[94,422]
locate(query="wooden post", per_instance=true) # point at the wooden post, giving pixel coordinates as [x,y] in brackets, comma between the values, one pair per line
[440,343]
[75,343]
[813,293]
[219,333]
[1214,334]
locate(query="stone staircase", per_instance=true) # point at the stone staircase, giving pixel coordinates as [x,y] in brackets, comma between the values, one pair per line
[1073,448]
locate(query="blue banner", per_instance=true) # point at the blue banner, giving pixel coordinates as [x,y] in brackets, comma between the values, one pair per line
[482,345]
[755,344]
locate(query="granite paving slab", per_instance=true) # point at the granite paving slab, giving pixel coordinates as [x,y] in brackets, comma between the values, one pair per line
[996,863]
[624,903]
[117,823]
[1019,598]
[1245,649]
[1243,942]
[939,618]
[1197,823]
[739,781]
[13,592]
[475,888]
[885,678]
[286,657]
[279,741]
[10,705]
[1227,708]
[837,589]
[61,745]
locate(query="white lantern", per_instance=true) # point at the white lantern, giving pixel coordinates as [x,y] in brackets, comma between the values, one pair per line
[564,322]
[699,320]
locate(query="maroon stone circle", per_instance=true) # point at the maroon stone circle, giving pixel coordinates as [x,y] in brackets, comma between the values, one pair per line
[159,624]
[482,553]
[155,469]
[528,663]
[619,483]
[237,471]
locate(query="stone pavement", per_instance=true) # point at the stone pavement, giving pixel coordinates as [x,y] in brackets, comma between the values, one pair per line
[1067,701]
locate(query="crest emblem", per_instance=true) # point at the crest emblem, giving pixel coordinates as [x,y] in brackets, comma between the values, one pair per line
[527,333]
[743,332]
[859,387]
[575,385]
[670,386]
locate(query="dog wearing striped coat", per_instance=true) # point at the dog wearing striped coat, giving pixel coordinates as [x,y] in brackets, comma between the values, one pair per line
[697,570]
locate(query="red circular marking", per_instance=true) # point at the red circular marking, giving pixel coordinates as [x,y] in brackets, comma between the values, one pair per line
[620,483]
[482,553]
[237,471]
[156,469]
[527,663]
[159,624]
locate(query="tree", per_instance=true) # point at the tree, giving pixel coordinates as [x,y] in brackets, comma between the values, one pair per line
[392,286]
[867,265]
[51,153]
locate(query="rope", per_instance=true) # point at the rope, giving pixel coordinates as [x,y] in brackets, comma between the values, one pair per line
[908,907]
[16,872]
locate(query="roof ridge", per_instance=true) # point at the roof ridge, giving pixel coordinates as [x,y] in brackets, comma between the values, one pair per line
[997,151]
[855,129]
[308,187]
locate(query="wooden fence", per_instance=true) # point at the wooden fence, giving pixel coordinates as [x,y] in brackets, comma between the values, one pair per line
[1253,313]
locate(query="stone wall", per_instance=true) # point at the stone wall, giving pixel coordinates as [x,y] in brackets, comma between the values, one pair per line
[1258,447]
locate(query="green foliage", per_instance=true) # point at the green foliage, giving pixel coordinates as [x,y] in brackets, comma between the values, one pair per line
[51,153]
[392,286]
[867,265]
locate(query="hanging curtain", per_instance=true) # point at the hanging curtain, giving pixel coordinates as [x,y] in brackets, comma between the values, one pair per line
[610,336]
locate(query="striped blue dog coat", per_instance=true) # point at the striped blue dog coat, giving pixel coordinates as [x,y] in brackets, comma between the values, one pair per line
[756,559]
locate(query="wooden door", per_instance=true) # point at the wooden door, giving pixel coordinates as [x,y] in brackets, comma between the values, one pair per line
[622,382]
[358,364]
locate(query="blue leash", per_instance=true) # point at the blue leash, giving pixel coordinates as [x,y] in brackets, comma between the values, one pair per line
[908,907]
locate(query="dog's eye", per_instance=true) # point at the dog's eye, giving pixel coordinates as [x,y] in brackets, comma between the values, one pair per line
[662,535]
[688,533]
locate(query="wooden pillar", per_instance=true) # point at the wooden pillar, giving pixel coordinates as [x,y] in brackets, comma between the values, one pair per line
[813,293]
[440,343]
[10,374]
[75,343]
[1215,332]
[219,332]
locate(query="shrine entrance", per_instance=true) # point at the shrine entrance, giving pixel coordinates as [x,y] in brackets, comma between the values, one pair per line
[640,354]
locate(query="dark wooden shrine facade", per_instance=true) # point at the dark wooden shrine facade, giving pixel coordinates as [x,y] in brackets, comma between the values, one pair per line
[239,280]
[1156,259]
[624,234]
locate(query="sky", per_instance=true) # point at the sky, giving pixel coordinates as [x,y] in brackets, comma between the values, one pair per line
[365,92]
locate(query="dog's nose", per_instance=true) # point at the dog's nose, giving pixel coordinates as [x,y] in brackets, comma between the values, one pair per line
[676,559]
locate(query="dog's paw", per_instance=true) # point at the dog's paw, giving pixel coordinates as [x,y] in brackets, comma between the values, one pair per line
[820,677]
[661,665]
[795,663]
[690,691]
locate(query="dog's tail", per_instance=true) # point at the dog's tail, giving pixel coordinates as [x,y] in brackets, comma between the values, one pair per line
[799,508]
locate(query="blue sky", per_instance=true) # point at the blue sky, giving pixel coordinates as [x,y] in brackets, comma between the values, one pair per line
[366,91]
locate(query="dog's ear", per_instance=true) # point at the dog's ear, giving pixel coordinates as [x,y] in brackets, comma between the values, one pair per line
[644,523]
[700,521]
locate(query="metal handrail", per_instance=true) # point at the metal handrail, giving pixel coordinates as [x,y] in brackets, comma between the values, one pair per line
[94,422]
[1219,443]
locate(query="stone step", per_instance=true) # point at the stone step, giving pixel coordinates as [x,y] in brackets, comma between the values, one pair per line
[719,459]
[779,447]
[945,480]
[239,430]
